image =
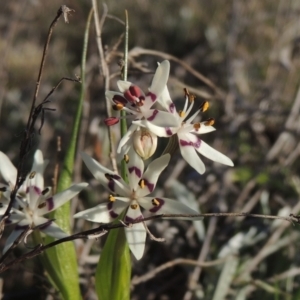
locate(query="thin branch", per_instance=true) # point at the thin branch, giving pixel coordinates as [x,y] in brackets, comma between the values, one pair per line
[34,113]
[137,51]
[178,261]
[103,228]
[105,71]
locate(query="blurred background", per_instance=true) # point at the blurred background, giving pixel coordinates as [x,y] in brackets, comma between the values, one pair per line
[241,56]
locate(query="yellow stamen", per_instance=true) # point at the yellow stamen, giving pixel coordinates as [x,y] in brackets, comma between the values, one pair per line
[181,114]
[134,206]
[209,122]
[192,97]
[32,174]
[126,158]
[197,126]
[204,106]
[142,183]
[118,106]
[111,198]
[155,202]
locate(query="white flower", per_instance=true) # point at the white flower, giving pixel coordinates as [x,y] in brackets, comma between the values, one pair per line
[131,197]
[186,131]
[33,201]
[133,101]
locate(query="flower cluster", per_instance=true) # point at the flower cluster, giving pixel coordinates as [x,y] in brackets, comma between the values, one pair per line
[139,143]
[33,200]
[127,196]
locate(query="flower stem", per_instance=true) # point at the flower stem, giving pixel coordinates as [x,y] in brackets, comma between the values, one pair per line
[124,75]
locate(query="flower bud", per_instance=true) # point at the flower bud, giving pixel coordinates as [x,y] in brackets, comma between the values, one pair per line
[111,121]
[144,143]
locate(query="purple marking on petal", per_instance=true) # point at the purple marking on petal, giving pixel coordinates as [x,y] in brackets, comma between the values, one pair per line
[149,185]
[115,176]
[8,221]
[157,207]
[136,170]
[37,190]
[50,203]
[151,118]
[186,143]
[169,131]
[111,185]
[45,225]
[130,220]
[172,107]
[113,214]
[18,227]
[197,144]
[152,96]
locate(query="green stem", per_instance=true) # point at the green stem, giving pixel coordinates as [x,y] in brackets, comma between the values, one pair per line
[123,123]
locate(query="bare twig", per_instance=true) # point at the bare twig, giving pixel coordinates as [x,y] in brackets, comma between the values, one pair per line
[178,261]
[105,71]
[35,111]
[102,228]
[202,256]
[140,51]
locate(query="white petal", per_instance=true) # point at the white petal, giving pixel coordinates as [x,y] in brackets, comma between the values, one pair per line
[159,131]
[152,173]
[213,154]
[124,150]
[38,167]
[161,118]
[61,198]
[103,213]
[135,169]
[160,78]
[19,228]
[136,235]
[98,214]
[123,85]
[50,228]
[127,137]
[189,154]
[33,195]
[167,206]
[202,130]
[165,101]
[96,169]
[15,217]
[99,173]
[7,169]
